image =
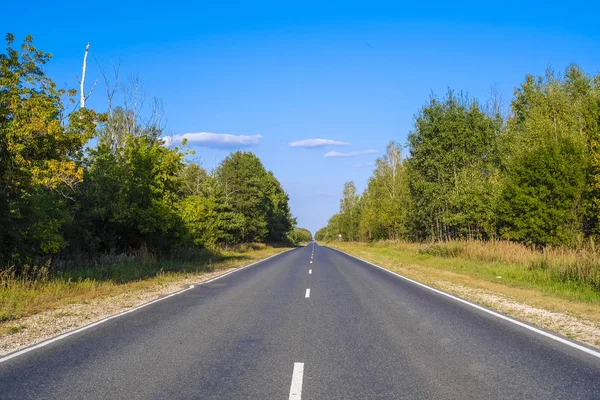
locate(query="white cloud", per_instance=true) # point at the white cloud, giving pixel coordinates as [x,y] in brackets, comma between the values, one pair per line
[350,154]
[312,143]
[215,140]
[362,165]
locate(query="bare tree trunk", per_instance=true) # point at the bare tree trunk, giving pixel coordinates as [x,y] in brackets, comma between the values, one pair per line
[82,96]
[81,90]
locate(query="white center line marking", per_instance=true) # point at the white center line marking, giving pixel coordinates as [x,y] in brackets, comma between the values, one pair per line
[307,295]
[296,386]
[310,271]
[311,261]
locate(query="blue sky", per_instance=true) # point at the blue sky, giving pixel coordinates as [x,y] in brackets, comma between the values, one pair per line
[281,72]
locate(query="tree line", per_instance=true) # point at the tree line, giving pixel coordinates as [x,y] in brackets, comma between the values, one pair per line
[126,191]
[301,235]
[532,175]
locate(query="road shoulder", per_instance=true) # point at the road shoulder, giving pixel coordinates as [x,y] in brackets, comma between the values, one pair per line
[33,329]
[575,320]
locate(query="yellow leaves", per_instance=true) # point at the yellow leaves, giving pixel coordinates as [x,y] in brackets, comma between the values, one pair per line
[57,173]
[55,129]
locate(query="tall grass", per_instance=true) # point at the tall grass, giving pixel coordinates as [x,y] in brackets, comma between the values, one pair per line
[133,266]
[34,289]
[580,265]
[569,273]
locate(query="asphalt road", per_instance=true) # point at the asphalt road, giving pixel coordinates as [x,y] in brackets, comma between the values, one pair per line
[359,333]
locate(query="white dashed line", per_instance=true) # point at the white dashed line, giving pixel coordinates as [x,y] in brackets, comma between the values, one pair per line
[307,295]
[296,386]
[310,271]
[311,261]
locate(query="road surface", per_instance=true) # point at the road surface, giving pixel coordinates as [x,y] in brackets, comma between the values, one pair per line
[312,323]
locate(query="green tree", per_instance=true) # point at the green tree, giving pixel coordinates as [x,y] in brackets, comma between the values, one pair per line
[193,180]
[257,195]
[300,235]
[386,201]
[128,198]
[350,212]
[209,221]
[39,155]
[543,199]
[321,234]
[332,230]
[453,155]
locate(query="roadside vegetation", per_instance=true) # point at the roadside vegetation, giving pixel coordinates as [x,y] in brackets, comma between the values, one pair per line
[565,273]
[488,192]
[98,202]
[300,235]
[38,289]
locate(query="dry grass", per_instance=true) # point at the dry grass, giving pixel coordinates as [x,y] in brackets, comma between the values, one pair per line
[573,274]
[576,265]
[34,328]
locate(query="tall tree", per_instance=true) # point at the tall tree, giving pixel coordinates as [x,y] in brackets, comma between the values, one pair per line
[257,195]
[453,155]
[128,198]
[193,180]
[350,211]
[544,191]
[386,201]
[39,154]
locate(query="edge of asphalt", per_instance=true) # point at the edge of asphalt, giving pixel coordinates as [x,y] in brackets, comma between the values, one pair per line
[46,342]
[496,314]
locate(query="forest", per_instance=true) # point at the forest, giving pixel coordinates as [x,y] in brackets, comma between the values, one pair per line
[526,173]
[79,183]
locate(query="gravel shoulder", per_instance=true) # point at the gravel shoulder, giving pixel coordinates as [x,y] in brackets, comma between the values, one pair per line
[50,323]
[81,311]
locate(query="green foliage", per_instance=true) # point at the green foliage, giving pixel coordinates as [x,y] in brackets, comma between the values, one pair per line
[332,231]
[210,222]
[386,201]
[300,235]
[321,234]
[256,194]
[544,187]
[130,192]
[453,157]
[350,212]
[194,180]
[38,155]
[128,197]
[542,194]
[532,178]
